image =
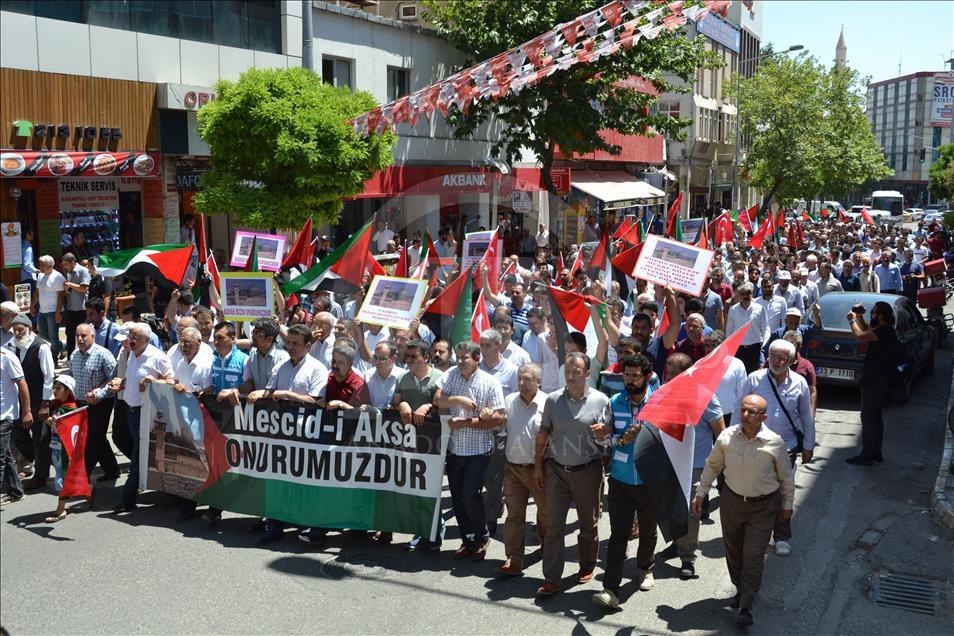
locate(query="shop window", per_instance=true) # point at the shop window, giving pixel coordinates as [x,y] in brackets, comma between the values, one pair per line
[192,20]
[669,108]
[398,82]
[336,72]
[108,13]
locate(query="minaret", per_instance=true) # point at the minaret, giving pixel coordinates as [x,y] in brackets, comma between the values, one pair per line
[841,51]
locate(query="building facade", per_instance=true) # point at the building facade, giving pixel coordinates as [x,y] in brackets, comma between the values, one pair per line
[89,87]
[908,115]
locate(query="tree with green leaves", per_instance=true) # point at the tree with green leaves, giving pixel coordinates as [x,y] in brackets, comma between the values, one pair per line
[282,149]
[807,131]
[567,109]
[941,179]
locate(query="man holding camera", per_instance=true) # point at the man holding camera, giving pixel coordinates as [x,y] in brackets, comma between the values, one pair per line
[789,414]
[876,374]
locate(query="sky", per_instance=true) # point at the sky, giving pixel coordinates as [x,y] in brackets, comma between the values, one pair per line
[921,32]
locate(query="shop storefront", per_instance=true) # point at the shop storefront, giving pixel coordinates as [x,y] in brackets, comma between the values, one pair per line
[610,196]
[80,167]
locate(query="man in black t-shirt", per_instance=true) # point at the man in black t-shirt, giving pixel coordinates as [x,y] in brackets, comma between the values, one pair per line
[876,374]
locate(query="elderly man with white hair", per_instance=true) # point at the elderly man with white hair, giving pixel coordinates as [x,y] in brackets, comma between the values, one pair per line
[789,415]
[146,364]
[48,302]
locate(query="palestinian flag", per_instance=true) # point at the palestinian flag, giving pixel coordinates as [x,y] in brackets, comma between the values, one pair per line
[251,265]
[599,265]
[623,265]
[570,313]
[811,217]
[843,218]
[703,239]
[663,449]
[342,271]
[303,251]
[801,235]
[449,315]
[825,213]
[623,227]
[72,430]
[169,262]
[634,235]
[792,236]
[747,217]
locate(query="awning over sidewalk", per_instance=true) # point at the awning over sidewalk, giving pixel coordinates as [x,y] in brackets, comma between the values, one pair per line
[617,189]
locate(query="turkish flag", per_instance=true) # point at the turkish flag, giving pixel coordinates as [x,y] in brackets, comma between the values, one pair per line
[682,400]
[866,217]
[621,230]
[664,323]
[759,237]
[723,232]
[72,430]
[672,215]
[374,267]
[400,269]
[491,258]
[792,236]
[480,320]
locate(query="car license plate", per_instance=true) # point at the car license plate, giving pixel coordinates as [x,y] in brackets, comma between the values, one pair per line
[841,374]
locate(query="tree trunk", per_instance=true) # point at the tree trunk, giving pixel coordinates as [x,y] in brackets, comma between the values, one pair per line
[546,162]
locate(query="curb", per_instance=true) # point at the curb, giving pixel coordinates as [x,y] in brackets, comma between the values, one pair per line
[942,508]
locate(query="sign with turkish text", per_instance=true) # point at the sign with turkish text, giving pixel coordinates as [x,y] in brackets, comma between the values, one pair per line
[942,100]
[681,266]
[86,193]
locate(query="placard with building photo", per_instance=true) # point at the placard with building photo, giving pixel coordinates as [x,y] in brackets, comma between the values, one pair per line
[271,250]
[247,295]
[392,301]
[475,246]
[681,266]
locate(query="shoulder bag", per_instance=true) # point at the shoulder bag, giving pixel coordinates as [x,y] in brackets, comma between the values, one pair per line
[799,435]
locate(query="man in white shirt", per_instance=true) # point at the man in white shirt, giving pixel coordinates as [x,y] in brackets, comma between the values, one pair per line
[322,337]
[301,377]
[542,354]
[383,378]
[731,387]
[381,237]
[192,371]
[504,372]
[524,410]
[48,303]
[750,351]
[14,412]
[825,281]
[773,306]
[175,353]
[792,294]
[146,364]
[807,287]
[509,349]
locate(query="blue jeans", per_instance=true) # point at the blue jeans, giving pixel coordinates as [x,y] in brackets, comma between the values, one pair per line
[465,475]
[50,331]
[131,487]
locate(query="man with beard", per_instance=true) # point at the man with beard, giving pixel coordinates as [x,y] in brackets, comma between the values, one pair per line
[658,347]
[876,374]
[628,496]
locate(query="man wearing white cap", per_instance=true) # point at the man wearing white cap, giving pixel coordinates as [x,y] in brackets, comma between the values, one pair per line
[792,295]
[807,286]
[8,311]
[793,322]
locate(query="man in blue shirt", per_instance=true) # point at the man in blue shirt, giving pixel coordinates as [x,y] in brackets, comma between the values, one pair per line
[104,329]
[228,361]
[628,495]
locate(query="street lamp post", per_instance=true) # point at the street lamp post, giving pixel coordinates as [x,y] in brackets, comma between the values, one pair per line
[736,193]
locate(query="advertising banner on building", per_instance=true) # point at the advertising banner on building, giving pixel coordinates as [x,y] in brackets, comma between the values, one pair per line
[942,100]
[53,163]
[358,469]
[12,244]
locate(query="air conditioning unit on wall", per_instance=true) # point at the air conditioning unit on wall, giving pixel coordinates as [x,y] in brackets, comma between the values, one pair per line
[407,12]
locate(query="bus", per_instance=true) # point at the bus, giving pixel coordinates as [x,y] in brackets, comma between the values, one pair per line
[890,201]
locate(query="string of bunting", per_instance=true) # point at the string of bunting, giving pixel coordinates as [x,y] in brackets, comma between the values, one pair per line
[587,38]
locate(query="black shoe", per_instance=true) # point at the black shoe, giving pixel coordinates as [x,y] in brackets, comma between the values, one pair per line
[734,604]
[103,478]
[273,532]
[687,571]
[669,553]
[878,458]
[124,508]
[744,619]
[860,460]
[9,499]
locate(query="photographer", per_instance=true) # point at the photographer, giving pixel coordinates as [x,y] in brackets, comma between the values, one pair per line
[876,375]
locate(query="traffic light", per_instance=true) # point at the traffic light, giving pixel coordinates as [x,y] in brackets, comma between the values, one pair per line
[921,155]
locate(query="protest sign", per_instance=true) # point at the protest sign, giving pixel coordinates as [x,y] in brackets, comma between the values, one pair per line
[392,301]
[247,295]
[22,296]
[683,267]
[690,229]
[359,469]
[271,250]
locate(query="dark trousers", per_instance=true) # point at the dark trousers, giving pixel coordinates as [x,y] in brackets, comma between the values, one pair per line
[98,450]
[34,444]
[783,529]
[9,477]
[465,476]
[494,481]
[120,436]
[581,489]
[71,320]
[750,355]
[872,416]
[746,530]
[625,501]
[131,487]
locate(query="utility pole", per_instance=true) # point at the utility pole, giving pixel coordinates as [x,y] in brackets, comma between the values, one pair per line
[307,38]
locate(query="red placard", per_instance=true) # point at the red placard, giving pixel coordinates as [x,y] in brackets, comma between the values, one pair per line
[22,163]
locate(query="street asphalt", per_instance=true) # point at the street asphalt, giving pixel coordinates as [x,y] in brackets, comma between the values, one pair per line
[147,572]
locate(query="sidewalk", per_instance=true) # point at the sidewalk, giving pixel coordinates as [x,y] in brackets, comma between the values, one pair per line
[942,498]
